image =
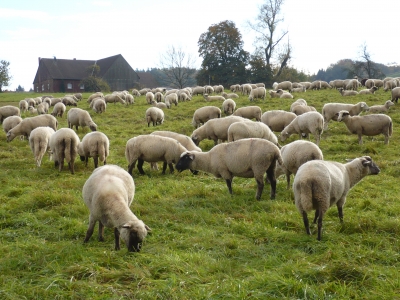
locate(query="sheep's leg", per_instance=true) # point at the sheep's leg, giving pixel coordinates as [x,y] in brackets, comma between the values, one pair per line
[340,212]
[86,160]
[164,167]
[116,235]
[306,224]
[71,167]
[171,168]
[360,139]
[140,166]
[319,225]
[90,230]
[272,180]
[288,179]
[316,216]
[260,187]
[101,232]
[130,168]
[96,161]
[229,185]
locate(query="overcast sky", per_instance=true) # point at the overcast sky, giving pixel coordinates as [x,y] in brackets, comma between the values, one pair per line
[321,32]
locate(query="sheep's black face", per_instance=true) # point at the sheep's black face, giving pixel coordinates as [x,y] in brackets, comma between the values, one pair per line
[135,242]
[82,158]
[184,163]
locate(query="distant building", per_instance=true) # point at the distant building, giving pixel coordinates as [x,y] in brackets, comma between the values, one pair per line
[65,75]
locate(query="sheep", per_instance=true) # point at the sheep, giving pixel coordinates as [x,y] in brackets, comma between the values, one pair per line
[135,92]
[230,95]
[368,91]
[249,112]
[129,99]
[144,91]
[99,105]
[198,90]
[43,108]
[94,144]
[181,138]
[48,101]
[171,99]
[257,93]
[395,94]
[182,96]
[320,184]
[7,111]
[114,98]
[58,110]
[31,102]
[369,83]
[78,96]
[325,85]
[205,113]
[215,129]
[248,158]
[315,85]
[306,84]
[69,101]
[39,142]
[301,109]
[244,130]
[391,84]
[152,148]
[275,94]
[381,108]
[154,115]
[213,98]
[95,95]
[64,145]
[234,88]
[54,101]
[309,122]
[330,110]
[228,106]
[277,120]
[160,105]
[158,96]
[10,122]
[352,84]
[218,89]
[79,117]
[294,155]
[246,89]
[298,90]
[208,89]
[347,93]
[28,124]
[284,85]
[298,102]
[286,95]
[113,182]
[23,106]
[369,125]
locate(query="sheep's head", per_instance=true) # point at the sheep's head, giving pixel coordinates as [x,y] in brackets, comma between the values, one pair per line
[284,135]
[10,136]
[342,115]
[185,161]
[93,126]
[133,234]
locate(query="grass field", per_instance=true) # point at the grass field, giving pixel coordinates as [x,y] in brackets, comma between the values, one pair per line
[205,243]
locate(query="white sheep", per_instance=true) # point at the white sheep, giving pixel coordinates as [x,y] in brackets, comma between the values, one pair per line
[152,148]
[114,98]
[275,94]
[154,115]
[244,130]
[181,138]
[298,102]
[257,93]
[248,158]
[249,112]
[69,101]
[171,99]
[369,125]
[144,91]
[58,110]
[39,142]
[64,145]
[158,97]
[32,110]
[286,95]
[94,144]
[381,108]
[95,95]
[368,91]
[160,105]
[43,108]
[205,113]
[395,94]
[218,89]
[294,155]
[228,106]
[28,124]
[54,101]
[330,110]
[246,89]
[284,85]
[320,184]
[135,92]
[80,117]
[301,109]
[213,98]
[10,122]
[23,106]
[277,120]
[129,99]
[298,90]
[315,85]
[98,105]
[112,182]
[309,122]
[7,111]
[230,95]
[347,93]
[198,90]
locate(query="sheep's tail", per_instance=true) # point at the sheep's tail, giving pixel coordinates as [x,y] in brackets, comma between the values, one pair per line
[303,192]
[67,149]
[101,151]
[390,128]
[38,152]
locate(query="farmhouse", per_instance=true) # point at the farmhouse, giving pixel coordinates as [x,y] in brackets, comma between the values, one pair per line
[65,75]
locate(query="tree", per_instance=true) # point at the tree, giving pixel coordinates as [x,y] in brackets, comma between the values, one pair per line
[224,60]
[277,56]
[365,67]
[92,83]
[5,76]
[20,89]
[177,68]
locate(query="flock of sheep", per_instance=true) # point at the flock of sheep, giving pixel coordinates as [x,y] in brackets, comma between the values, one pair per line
[252,147]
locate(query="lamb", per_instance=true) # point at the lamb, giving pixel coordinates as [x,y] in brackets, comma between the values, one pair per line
[347,93]
[215,129]
[99,105]
[205,113]
[7,111]
[171,99]
[257,93]
[330,110]
[112,182]
[320,184]
[243,130]
[39,142]
[395,94]
[284,85]
[277,120]
[152,148]
[28,124]
[94,144]
[368,91]
[64,145]
[23,106]
[381,108]
[228,106]
[114,98]
[248,158]
[230,95]
[80,117]
[249,112]
[10,122]
[213,98]
[309,122]
[369,125]
[154,115]
[294,155]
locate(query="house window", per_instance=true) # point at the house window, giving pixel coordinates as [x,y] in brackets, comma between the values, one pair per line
[42,87]
[69,86]
[48,86]
[82,87]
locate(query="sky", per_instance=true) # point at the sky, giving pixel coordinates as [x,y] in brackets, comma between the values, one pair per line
[321,32]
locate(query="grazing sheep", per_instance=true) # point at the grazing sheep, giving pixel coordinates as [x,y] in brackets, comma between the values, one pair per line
[218,89]
[28,124]
[215,129]
[347,93]
[55,100]
[298,102]
[99,105]
[154,115]
[64,145]
[181,138]
[32,110]
[112,182]
[325,85]
[205,113]
[213,98]
[160,105]
[315,85]
[286,95]
[306,84]
[95,95]
[135,92]
[158,97]
[129,99]
[391,84]
[257,93]
[249,112]
[114,98]
[244,130]
[182,96]
[246,89]
[298,90]
[275,94]
[368,91]
[152,148]
[234,88]
[284,85]
[94,144]
[7,111]
[80,117]
[10,122]
[248,158]
[294,155]
[228,106]
[230,95]
[330,110]
[58,110]
[39,142]
[395,94]
[43,108]
[301,109]
[144,91]
[320,184]
[171,99]
[381,108]
[198,90]
[277,120]
[209,89]
[369,125]
[31,102]
[309,122]
[69,101]
[23,106]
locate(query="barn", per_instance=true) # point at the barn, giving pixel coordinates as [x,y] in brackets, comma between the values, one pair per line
[65,75]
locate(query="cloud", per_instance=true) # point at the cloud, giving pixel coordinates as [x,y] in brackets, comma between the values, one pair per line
[102,3]
[9,13]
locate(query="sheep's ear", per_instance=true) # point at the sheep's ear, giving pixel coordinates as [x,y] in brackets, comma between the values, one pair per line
[366,163]
[147,228]
[126,225]
[190,155]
